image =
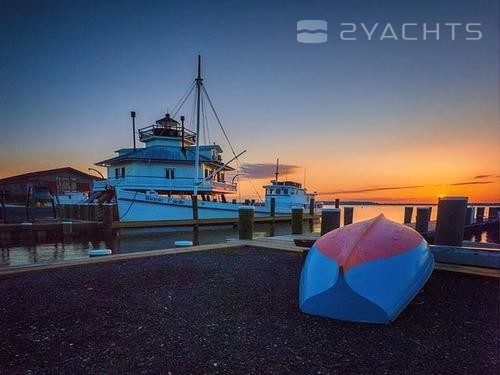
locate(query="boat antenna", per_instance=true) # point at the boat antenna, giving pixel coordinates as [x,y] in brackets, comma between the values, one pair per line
[277,173]
[132,114]
[199,83]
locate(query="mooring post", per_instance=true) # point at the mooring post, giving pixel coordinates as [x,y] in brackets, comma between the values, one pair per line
[107,216]
[93,214]
[479,214]
[297,220]
[348,215]
[67,228]
[54,210]
[450,221]
[311,207]
[330,219]
[408,214]
[4,211]
[196,224]
[27,232]
[75,212]
[246,216]
[84,211]
[337,203]
[423,218]
[273,207]
[469,214]
[493,213]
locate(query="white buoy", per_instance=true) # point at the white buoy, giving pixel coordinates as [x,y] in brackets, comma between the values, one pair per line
[183,243]
[99,252]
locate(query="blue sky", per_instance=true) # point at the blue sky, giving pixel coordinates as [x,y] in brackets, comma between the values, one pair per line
[70,72]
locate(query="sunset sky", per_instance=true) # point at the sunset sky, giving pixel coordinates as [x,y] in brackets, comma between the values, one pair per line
[386,120]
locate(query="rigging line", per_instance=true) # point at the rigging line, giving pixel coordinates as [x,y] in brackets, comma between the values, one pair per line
[218,120]
[182,100]
[229,142]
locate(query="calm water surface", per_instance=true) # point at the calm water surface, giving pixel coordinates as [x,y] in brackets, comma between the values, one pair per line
[145,239]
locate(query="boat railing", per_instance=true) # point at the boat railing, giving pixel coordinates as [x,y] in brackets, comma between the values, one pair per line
[162,131]
[161,183]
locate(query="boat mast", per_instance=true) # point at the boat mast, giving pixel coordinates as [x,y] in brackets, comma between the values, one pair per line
[199,82]
[277,173]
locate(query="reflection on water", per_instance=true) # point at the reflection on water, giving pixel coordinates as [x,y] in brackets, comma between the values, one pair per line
[144,239]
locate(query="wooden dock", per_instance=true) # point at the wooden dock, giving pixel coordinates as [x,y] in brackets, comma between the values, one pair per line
[201,222]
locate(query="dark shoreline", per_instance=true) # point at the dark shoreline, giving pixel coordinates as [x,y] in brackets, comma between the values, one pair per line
[232,311]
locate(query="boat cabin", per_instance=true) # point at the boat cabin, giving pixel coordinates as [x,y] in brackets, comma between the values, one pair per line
[166,163]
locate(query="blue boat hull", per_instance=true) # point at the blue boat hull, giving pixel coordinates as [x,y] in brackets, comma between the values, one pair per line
[372,292]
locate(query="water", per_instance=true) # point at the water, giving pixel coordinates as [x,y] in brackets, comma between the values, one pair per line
[145,239]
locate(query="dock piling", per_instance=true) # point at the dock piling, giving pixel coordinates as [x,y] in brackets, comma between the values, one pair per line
[297,220]
[196,226]
[273,207]
[408,214]
[246,216]
[450,221]
[423,218]
[493,213]
[469,215]
[348,215]
[330,219]
[479,214]
[337,203]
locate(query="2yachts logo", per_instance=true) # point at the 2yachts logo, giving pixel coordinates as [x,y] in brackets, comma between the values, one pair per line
[314,31]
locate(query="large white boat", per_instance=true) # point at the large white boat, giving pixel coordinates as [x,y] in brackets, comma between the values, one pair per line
[158,181]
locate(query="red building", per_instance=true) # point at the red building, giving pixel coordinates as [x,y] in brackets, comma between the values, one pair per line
[57,181]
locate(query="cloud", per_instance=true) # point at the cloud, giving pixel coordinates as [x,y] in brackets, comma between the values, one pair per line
[374,189]
[471,183]
[384,188]
[267,170]
[482,176]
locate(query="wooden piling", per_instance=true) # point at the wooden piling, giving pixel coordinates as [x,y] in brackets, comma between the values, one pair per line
[84,211]
[67,228]
[479,214]
[337,203]
[4,211]
[469,215]
[196,226]
[348,215]
[273,207]
[423,218]
[75,211]
[107,216]
[450,221]
[93,211]
[330,219]
[493,213]
[297,220]
[246,215]
[408,214]
[311,207]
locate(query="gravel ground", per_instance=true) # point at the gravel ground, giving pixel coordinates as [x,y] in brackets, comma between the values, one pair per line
[232,311]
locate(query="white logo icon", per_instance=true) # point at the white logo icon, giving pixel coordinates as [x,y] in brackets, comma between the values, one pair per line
[312,31]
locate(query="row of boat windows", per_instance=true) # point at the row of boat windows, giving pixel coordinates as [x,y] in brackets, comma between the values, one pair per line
[280,191]
[170,174]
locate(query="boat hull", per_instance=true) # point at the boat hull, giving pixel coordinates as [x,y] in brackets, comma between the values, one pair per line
[373,291]
[137,206]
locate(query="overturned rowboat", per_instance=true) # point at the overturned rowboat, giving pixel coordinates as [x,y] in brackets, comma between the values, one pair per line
[365,272]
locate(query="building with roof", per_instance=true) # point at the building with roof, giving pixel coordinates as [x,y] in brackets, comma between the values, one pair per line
[56,181]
